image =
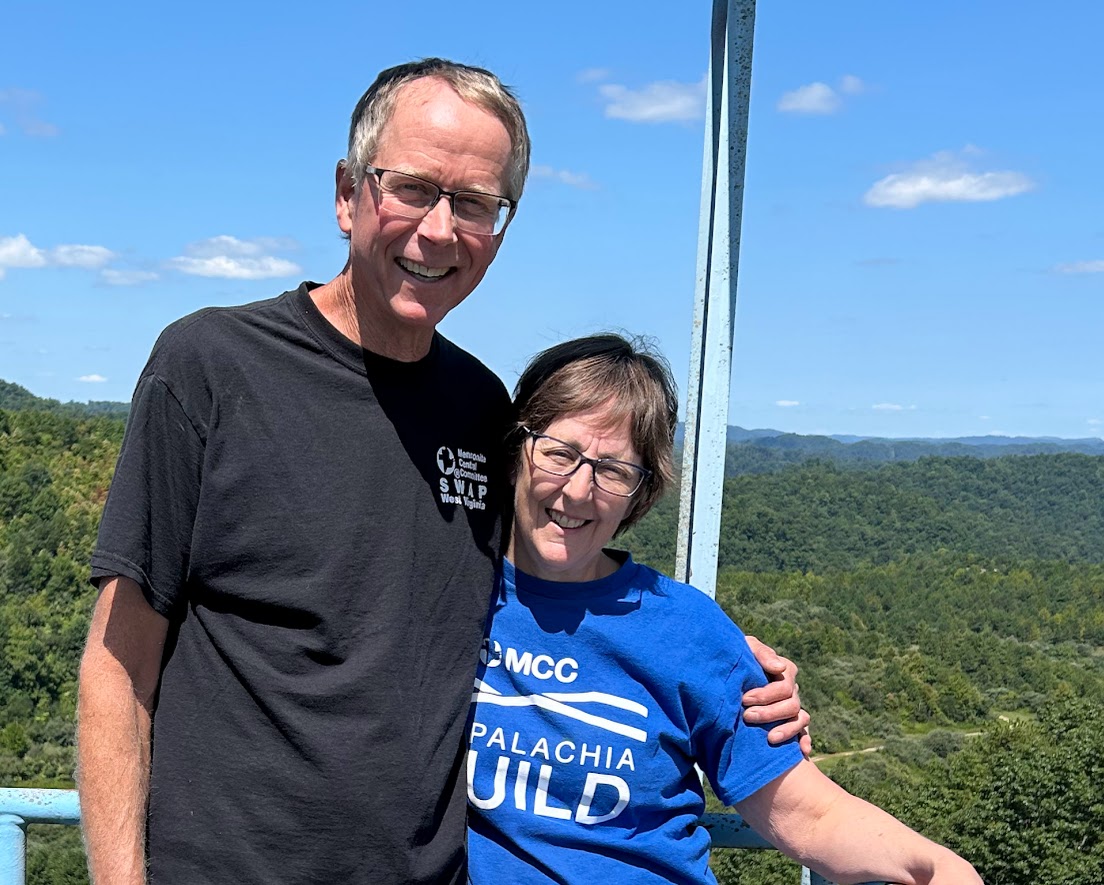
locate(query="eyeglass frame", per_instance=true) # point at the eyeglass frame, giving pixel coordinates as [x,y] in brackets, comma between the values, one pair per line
[533,436]
[452,195]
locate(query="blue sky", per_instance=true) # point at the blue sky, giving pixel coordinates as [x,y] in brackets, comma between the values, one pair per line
[923,249]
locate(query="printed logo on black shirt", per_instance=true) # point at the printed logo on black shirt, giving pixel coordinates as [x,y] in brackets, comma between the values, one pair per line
[463,479]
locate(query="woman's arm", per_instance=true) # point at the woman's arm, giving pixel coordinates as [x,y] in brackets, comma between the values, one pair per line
[821,825]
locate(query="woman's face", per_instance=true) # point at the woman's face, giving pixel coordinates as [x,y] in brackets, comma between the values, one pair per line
[562,523]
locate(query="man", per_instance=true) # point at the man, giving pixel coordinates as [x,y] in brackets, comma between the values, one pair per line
[297,552]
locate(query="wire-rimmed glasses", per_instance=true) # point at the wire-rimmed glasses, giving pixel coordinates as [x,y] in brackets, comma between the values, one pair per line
[472,211]
[559,458]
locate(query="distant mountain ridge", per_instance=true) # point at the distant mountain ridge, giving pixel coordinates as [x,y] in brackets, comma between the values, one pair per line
[14,398]
[752,451]
[763,450]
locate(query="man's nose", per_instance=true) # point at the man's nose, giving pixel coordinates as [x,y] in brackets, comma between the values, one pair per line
[438,223]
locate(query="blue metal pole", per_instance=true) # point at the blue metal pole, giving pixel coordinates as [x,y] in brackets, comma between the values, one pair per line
[715,295]
[13,850]
[19,807]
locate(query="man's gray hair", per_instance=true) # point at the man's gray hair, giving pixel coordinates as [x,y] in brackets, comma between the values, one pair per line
[474,85]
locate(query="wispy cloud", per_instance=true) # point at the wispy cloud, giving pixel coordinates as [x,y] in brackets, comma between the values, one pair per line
[892,407]
[565,176]
[23,104]
[1096,422]
[92,379]
[820,98]
[852,85]
[90,257]
[1078,267]
[664,101]
[813,98]
[945,177]
[115,277]
[229,258]
[592,75]
[18,251]
[787,403]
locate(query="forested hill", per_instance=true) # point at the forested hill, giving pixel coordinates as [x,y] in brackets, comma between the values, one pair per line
[819,516]
[18,399]
[767,451]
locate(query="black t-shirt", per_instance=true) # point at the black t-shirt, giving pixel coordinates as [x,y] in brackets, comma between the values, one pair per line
[320,526]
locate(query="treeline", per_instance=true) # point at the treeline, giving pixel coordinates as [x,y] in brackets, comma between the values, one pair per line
[819,516]
[769,454]
[14,398]
[54,474]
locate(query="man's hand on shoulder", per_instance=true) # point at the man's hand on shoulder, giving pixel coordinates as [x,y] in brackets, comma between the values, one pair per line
[779,700]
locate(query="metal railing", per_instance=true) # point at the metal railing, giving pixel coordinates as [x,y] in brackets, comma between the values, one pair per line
[20,807]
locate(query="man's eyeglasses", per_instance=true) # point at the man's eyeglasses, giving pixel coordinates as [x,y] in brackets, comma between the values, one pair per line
[472,211]
[621,478]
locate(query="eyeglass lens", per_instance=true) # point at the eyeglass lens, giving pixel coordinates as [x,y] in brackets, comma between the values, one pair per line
[562,459]
[413,197]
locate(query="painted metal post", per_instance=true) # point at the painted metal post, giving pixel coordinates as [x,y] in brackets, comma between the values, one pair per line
[19,807]
[715,295]
[13,850]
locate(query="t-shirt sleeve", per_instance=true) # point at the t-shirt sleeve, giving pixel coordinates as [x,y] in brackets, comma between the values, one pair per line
[735,756]
[146,529]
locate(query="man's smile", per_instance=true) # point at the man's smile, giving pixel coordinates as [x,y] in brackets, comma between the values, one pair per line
[421,271]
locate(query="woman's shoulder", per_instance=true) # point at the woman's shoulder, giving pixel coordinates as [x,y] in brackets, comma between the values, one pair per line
[683,599]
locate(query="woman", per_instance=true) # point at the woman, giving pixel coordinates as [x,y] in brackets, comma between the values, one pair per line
[603,683]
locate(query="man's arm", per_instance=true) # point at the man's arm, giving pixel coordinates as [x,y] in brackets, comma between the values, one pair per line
[778,700]
[119,675]
[821,825]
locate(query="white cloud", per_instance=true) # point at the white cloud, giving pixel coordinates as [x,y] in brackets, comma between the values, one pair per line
[114,277]
[565,176]
[80,256]
[662,102]
[983,417]
[1096,422]
[223,245]
[92,379]
[892,407]
[851,85]
[229,258]
[18,251]
[813,98]
[235,268]
[1077,267]
[787,403]
[22,103]
[945,178]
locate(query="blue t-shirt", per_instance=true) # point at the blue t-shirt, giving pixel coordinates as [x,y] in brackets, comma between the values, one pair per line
[593,703]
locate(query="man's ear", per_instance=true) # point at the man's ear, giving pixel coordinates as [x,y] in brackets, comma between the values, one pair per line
[344,191]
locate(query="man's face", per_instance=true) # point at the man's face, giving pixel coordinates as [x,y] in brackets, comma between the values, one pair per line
[407,274]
